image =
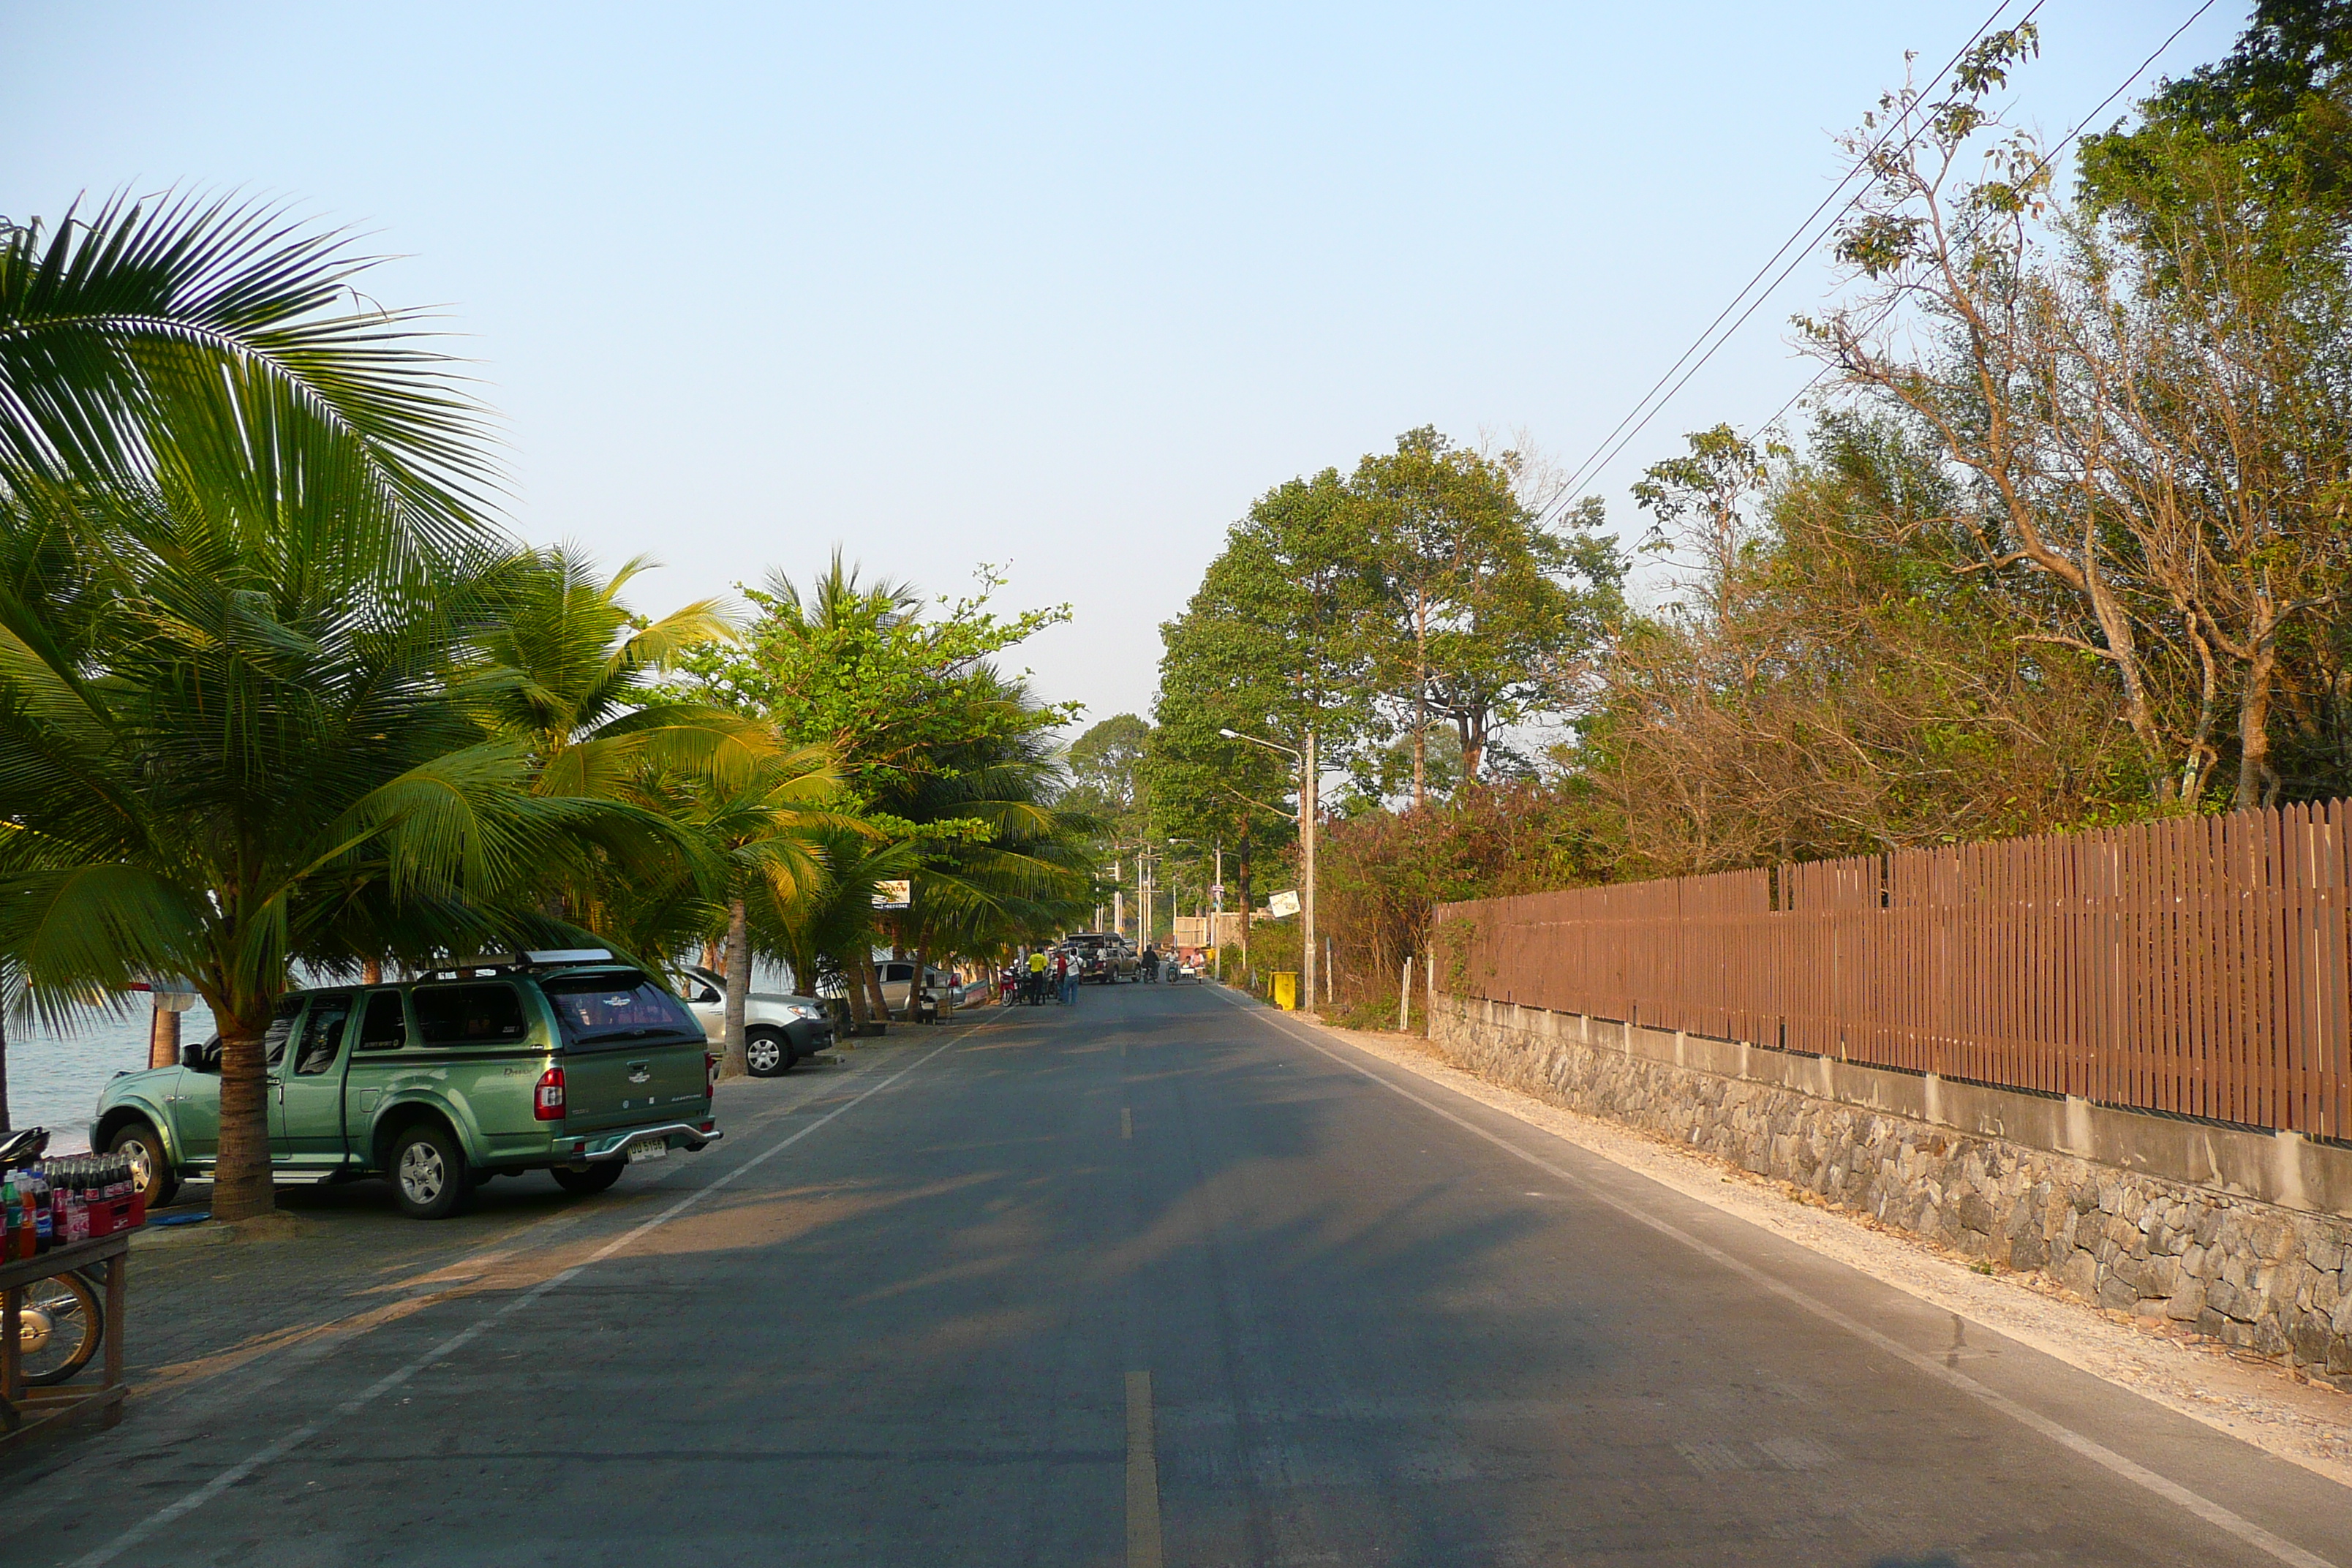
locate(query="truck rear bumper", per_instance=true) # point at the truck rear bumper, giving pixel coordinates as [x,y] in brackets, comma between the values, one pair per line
[688,1135]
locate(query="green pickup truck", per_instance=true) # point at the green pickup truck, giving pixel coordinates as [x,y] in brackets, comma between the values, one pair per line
[563,1062]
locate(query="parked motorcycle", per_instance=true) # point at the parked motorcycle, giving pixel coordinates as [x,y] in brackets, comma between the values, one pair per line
[58,1323]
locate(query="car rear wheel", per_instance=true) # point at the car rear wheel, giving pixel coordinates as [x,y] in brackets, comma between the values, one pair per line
[151,1167]
[429,1178]
[595,1179]
[768,1053]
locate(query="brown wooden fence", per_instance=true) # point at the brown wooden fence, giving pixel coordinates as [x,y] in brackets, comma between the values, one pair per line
[2197,966]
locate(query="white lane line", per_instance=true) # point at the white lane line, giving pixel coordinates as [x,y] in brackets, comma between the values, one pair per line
[189,1503]
[1126,1122]
[2140,1475]
[1143,1475]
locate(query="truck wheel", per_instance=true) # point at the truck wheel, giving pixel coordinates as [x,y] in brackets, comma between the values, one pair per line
[429,1178]
[151,1167]
[590,1182]
[767,1053]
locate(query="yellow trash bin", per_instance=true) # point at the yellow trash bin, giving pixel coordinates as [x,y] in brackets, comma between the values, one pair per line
[1286,990]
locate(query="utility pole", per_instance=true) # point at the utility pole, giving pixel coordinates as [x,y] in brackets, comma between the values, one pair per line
[1307,791]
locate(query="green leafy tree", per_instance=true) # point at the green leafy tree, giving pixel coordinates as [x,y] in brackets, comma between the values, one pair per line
[2278,108]
[1270,645]
[1107,769]
[1486,617]
[863,670]
[906,703]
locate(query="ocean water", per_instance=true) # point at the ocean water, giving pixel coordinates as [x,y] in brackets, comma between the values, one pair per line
[54,1078]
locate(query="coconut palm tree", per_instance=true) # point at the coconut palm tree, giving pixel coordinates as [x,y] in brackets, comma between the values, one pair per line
[825,928]
[772,839]
[577,675]
[242,543]
[249,742]
[1004,861]
[215,339]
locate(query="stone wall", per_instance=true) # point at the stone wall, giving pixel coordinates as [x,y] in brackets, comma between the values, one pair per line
[2171,1219]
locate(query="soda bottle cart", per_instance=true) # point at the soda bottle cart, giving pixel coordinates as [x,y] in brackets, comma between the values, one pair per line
[27,1410]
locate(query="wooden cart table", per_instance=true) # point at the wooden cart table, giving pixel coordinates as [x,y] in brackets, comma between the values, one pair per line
[25,1410]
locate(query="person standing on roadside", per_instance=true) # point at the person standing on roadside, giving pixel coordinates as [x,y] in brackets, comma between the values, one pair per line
[1037,977]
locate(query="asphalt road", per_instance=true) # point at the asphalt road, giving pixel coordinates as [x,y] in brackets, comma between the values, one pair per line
[1161,1279]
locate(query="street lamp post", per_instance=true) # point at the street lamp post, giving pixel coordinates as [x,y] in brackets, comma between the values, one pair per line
[1307,813]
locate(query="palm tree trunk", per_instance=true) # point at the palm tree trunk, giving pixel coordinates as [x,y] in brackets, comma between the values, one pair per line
[163,1039]
[873,979]
[3,1072]
[241,1186]
[733,1064]
[852,992]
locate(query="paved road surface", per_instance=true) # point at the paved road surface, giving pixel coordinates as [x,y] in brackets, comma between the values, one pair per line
[1159,1280]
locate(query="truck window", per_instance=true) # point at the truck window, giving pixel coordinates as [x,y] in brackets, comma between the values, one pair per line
[322,1033]
[386,1029]
[282,1029]
[600,1011]
[487,1014]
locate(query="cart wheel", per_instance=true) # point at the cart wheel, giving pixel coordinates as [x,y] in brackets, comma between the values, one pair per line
[58,1328]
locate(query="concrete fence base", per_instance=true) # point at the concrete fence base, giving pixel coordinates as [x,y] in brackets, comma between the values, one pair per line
[2244,1235]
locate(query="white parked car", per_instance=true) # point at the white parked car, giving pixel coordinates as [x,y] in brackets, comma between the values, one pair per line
[778,1030]
[898,976]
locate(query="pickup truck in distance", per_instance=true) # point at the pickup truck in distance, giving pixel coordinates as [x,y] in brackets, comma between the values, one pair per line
[564,1062]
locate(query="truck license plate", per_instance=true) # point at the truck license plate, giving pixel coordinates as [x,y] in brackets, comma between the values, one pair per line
[648,1149]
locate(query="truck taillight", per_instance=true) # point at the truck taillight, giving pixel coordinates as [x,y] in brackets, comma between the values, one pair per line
[547,1104]
[709,1075]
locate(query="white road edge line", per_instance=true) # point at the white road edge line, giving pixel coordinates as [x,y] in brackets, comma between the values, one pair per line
[189,1503]
[2140,1475]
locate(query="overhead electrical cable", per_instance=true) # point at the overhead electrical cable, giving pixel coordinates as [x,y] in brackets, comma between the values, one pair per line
[1799,233]
[1612,448]
[2042,163]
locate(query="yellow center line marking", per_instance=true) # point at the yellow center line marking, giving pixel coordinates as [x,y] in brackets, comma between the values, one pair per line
[1126,1122]
[1143,1475]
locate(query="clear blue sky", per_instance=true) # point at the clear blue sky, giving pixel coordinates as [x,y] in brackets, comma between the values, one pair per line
[1058,287]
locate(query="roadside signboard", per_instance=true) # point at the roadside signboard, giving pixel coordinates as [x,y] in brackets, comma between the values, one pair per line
[894,895]
[1282,904]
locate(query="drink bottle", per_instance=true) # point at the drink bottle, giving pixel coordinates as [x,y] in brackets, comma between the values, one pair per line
[44,1232]
[12,1232]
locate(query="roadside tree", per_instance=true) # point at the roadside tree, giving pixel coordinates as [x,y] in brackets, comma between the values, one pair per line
[187,386]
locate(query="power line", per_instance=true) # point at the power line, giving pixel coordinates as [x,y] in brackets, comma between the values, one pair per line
[2042,163]
[1585,468]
